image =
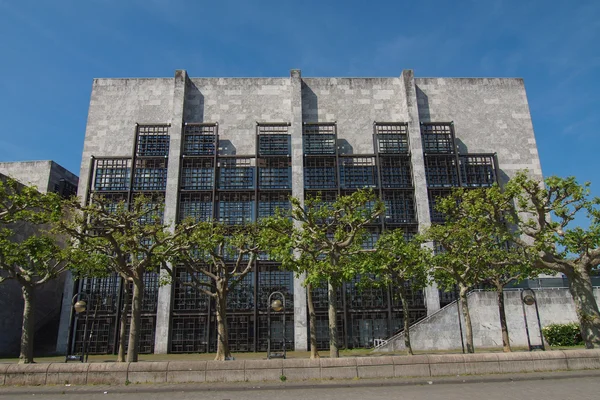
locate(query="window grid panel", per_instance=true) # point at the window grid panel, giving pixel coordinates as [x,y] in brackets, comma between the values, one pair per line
[477,171]
[441,171]
[198,206]
[150,300]
[320,173]
[269,203]
[236,173]
[241,333]
[189,334]
[371,238]
[112,174]
[365,298]
[197,174]
[400,207]
[358,172]
[105,291]
[112,201]
[147,331]
[186,298]
[150,174]
[236,208]
[415,297]
[396,172]
[102,340]
[152,141]
[155,206]
[199,140]
[271,279]
[367,326]
[413,315]
[392,139]
[241,297]
[274,173]
[276,331]
[274,140]
[433,195]
[320,299]
[319,139]
[323,330]
[437,138]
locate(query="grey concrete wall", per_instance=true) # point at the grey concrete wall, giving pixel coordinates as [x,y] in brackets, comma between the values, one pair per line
[29,173]
[490,115]
[440,331]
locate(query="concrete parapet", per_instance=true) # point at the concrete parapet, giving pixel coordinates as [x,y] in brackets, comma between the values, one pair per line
[186,371]
[144,372]
[75,374]
[298,369]
[108,373]
[26,374]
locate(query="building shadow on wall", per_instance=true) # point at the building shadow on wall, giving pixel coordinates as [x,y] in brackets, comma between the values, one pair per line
[423,105]
[226,148]
[194,104]
[344,147]
[310,105]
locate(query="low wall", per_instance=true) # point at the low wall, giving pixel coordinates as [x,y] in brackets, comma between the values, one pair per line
[298,369]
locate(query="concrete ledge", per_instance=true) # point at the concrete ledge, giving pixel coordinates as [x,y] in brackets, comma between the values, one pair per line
[60,374]
[144,372]
[108,373]
[298,369]
[186,371]
[26,374]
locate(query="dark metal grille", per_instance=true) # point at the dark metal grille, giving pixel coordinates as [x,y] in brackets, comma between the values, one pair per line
[102,290]
[433,195]
[320,173]
[189,334]
[197,174]
[236,173]
[400,207]
[358,172]
[149,302]
[153,141]
[319,139]
[112,174]
[147,330]
[154,207]
[198,206]
[477,170]
[274,173]
[65,189]
[364,298]
[367,326]
[441,171]
[323,330]
[437,138]
[102,339]
[199,140]
[269,203]
[371,238]
[274,280]
[273,140]
[276,331]
[241,332]
[236,208]
[447,297]
[415,297]
[186,298]
[392,139]
[413,315]
[241,297]
[395,172]
[150,174]
[319,295]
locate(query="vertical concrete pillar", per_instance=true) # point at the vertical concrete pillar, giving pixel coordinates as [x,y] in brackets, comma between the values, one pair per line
[65,315]
[432,297]
[300,317]
[163,311]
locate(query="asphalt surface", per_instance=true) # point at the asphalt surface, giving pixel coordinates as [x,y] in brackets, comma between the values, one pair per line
[579,385]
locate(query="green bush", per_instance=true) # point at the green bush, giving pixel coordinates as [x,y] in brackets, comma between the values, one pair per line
[563,334]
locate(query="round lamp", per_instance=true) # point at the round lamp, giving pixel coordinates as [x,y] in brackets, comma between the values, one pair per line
[80,306]
[277,305]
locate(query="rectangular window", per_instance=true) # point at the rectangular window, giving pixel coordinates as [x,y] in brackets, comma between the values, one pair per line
[441,171]
[152,141]
[197,174]
[236,173]
[395,172]
[437,138]
[392,138]
[434,195]
[274,140]
[197,206]
[112,174]
[477,170]
[269,203]
[320,173]
[358,172]
[236,208]
[274,173]
[150,174]
[319,139]
[200,140]
[400,207]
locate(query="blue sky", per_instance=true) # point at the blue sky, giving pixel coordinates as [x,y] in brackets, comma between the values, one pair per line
[51,50]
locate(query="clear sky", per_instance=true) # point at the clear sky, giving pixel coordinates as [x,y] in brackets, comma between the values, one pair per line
[50,50]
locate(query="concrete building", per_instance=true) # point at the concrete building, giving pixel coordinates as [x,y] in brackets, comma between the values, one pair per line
[46,176]
[234,149]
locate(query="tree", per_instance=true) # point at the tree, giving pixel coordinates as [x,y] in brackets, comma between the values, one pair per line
[217,257]
[475,244]
[327,240]
[29,254]
[133,240]
[548,218]
[399,263]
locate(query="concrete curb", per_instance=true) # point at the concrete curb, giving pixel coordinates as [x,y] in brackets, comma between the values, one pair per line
[420,366]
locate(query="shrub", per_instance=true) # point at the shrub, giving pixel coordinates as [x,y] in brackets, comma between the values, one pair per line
[563,334]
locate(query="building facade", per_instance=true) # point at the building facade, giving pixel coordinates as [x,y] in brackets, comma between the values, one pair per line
[235,149]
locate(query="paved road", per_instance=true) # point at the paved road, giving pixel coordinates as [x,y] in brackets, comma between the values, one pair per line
[553,386]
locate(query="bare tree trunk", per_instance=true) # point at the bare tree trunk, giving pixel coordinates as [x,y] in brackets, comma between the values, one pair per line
[580,286]
[467,316]
[334,351]
[223,352]
[405,313]
[26,356]
[123,322]
[312,320]
[136,320]
[503,323]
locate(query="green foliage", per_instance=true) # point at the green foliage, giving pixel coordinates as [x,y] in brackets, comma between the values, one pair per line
[563,334]
[19,203]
